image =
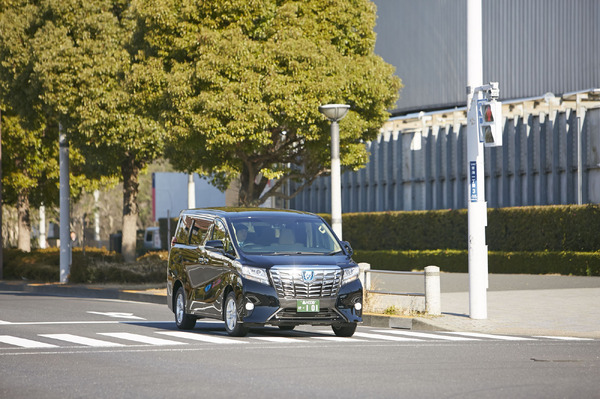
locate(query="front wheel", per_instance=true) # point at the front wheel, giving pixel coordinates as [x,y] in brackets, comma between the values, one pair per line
[183,320]
[230,316]
[344,330]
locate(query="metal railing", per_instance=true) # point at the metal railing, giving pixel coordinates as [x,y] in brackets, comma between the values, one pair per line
[368,289]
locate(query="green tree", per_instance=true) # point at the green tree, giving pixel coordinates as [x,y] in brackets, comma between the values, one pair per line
[30,134]
[246,77]
[85,67]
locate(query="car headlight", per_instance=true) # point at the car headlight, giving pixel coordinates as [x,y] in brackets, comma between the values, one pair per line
[350,274]
[253,273]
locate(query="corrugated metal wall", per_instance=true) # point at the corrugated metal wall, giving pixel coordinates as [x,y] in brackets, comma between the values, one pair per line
[530,47]
[425,168]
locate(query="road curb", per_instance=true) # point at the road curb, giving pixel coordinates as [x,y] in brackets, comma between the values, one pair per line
[83,291]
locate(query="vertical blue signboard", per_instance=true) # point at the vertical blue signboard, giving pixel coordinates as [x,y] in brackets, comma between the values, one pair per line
[473,180]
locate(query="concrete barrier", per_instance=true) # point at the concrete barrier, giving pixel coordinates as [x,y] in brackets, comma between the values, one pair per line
[404,303]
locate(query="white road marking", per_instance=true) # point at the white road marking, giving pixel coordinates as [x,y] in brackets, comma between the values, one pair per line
[340,339]
[201,337]
[426,335]
[564,338]
[143,339]
[490,336]
[385,337]
[81,340]
[277,339]
[24,343]
[118,315]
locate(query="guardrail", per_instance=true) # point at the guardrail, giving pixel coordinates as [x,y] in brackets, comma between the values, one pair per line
[370,291]
[432,301]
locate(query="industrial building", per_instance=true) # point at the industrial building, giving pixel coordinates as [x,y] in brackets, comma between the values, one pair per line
[543,53]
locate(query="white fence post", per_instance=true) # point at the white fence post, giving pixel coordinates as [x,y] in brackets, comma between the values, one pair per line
[365,278]
[433,303]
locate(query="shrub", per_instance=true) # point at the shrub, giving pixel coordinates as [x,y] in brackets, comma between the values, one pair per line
[565,263]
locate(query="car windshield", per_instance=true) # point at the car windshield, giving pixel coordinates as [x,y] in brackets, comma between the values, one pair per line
[284,235]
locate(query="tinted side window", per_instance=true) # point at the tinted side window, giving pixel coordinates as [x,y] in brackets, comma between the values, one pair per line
[183,230]
[220,233]
[199,231]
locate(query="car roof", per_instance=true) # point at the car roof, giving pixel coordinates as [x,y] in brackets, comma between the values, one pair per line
[238,212]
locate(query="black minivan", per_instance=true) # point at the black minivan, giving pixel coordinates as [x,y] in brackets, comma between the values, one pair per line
[252,267]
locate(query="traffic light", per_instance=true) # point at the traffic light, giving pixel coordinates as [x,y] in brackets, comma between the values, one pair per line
[490,123]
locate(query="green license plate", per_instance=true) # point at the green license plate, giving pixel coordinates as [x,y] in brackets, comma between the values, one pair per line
[307,305]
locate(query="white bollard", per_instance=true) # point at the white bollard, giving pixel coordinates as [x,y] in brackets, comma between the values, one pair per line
[433,303]
[364,278]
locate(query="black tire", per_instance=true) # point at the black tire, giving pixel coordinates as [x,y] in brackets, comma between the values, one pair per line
[183,320]
[344,330]
[231,319]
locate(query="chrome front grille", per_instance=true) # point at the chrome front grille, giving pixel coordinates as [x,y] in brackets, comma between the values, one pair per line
[289,282]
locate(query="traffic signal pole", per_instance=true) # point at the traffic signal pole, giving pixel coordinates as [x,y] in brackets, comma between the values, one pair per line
[477,206]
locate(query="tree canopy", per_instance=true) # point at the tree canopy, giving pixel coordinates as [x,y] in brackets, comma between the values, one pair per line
[246,77]
[226,88]
[80,64]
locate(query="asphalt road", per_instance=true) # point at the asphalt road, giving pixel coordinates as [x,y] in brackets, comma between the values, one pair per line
[58,347]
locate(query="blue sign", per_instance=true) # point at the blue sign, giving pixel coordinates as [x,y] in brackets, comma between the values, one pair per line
[473,181]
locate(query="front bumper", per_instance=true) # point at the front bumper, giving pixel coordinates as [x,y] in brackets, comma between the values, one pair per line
[268,308]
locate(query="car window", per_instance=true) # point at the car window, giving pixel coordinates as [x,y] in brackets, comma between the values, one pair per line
[183,230]
[220,233]
[199,230]
[284,235]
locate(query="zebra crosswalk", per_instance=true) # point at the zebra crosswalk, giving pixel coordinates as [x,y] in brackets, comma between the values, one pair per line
[179,338]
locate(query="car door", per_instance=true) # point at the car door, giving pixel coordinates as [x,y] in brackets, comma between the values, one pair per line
[196,263]
[219,267]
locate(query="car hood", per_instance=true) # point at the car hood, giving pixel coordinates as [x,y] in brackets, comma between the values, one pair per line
[267,261]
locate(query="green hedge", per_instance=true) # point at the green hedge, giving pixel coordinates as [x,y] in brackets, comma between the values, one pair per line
[570,228]
[95,266]
[565,263]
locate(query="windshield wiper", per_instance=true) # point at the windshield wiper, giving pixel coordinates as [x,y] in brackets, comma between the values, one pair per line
[335,253]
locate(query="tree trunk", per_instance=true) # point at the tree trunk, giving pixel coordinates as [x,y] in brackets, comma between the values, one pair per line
[250,192]
[130,170]
[24,238]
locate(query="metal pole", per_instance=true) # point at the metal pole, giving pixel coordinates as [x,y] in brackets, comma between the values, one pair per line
[336,190]
[191,192]
[477,207]
[42,237]
[1,241]
[580,112]
[65,237]
[97,218]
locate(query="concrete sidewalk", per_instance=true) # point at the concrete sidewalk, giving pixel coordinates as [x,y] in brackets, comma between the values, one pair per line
[556,312]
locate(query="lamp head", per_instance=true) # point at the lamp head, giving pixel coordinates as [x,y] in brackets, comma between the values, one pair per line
[334,112]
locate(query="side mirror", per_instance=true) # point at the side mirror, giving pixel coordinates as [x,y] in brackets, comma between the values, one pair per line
[214,244]
[348,248]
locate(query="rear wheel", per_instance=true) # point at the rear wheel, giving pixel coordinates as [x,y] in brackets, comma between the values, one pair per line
[183,320]
[230,316]
[344,330]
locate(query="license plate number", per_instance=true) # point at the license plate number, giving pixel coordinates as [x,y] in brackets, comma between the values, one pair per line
[307,305]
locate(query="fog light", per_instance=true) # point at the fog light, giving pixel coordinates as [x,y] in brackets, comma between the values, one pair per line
[358,306]
[249,306]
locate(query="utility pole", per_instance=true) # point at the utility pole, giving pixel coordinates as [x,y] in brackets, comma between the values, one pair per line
[65,197]
[477,206]
[484,128]
[191,192]
[1,241]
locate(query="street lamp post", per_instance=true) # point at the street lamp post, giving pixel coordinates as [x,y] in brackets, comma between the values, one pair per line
[335,112]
